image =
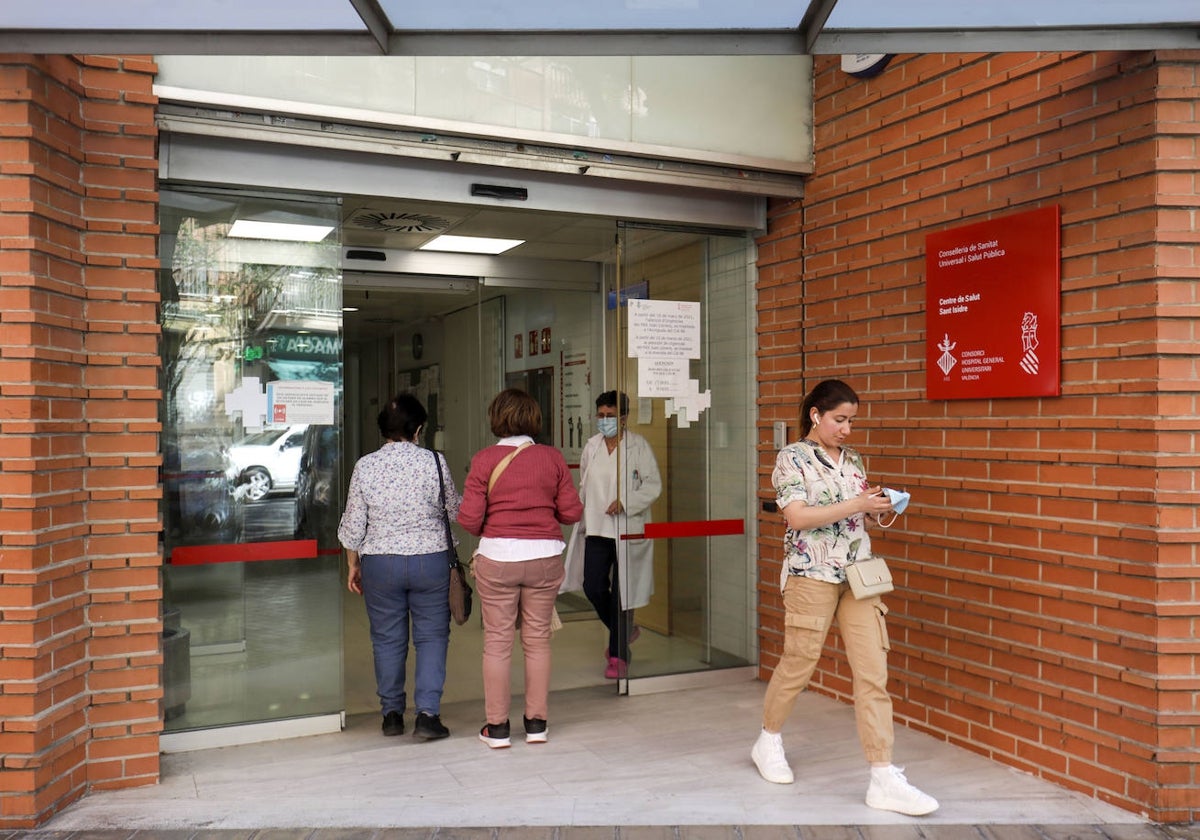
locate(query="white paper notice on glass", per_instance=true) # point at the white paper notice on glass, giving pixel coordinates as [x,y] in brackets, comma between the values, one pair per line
[300,401]
[645,411]
[662,376]
[687,407]
[664,328]
[251,400]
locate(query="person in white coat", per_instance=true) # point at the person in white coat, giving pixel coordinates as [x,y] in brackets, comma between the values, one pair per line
[616,575]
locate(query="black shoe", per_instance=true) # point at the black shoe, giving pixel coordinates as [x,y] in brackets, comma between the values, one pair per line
[393,723]
[495,735]
[535,731]
[429,728]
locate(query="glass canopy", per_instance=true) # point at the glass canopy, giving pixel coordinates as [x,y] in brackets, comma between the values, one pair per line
[597,27]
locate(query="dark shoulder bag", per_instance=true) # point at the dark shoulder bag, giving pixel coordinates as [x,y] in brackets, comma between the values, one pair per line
[460,590]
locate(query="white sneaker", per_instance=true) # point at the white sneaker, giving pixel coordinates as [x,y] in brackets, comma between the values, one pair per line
[769,758]
[890,791]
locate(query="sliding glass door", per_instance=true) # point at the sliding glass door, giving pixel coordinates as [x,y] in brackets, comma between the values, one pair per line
[252,381]
[678,322]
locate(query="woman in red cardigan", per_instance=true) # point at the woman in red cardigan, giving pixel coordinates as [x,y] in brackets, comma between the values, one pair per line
[517,497]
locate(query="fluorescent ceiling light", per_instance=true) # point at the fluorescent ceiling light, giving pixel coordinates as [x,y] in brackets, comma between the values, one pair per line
[279,231]
[470,244]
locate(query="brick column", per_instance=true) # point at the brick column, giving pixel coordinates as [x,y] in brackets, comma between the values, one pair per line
[80,584]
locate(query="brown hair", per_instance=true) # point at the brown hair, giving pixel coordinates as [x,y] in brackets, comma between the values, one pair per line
[514,412]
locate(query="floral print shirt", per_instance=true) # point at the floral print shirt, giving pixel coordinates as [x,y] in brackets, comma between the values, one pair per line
[803,473]
[393,506]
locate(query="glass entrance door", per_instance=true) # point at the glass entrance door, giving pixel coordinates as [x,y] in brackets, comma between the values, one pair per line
[678,320]
[251,318]
[253,497]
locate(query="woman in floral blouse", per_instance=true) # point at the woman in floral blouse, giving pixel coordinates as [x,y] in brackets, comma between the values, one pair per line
[399,562]
[822,490]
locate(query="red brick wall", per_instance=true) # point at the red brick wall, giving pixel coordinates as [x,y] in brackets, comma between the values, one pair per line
[79,557]
[1047,613]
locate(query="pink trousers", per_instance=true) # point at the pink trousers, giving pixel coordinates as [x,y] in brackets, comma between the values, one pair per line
[527,588]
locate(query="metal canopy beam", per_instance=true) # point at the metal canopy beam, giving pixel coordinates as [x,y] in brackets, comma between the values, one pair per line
[740,42]
[813,22]
[191,42]
[819,27]
[375,19]
[1047,39]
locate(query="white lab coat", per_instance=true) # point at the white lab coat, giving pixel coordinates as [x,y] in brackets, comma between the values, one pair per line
[640,486]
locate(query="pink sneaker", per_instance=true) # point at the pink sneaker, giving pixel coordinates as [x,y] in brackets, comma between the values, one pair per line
[618,669]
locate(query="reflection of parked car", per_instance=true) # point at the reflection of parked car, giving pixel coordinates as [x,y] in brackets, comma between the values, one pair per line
[198,480]
[268,461]
[318,485]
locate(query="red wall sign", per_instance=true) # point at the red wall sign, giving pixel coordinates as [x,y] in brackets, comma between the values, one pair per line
[993,308]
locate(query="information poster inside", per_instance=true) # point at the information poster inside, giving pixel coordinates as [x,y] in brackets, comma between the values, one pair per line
[664,328]
[993,308]
[576,409]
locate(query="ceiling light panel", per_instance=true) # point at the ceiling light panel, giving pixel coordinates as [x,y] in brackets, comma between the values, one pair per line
[471,244]
[278,231]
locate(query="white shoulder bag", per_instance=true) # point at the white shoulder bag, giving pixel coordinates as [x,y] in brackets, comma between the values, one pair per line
[869,577]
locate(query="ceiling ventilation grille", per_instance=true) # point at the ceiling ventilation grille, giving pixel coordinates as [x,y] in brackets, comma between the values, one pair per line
[392,222]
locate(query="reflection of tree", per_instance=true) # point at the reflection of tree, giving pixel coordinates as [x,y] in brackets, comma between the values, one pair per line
[601,102]
[215,306]
[221,297]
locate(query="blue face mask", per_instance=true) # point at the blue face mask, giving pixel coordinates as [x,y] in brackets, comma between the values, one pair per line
[607,426]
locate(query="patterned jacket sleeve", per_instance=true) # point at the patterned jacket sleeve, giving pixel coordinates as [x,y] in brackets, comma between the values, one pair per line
[790,477]
[352,529]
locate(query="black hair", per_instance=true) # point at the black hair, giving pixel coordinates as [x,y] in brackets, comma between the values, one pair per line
[401,418]
[826,396]
[609,398]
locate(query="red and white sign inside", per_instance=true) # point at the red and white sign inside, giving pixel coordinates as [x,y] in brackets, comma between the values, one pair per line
[993,308]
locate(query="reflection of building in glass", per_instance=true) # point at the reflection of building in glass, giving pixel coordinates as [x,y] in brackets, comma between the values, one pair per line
[236,311]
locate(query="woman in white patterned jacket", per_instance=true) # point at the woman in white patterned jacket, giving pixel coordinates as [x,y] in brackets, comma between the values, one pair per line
[822,490]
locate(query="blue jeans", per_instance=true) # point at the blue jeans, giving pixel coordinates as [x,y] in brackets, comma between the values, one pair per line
[397,588]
